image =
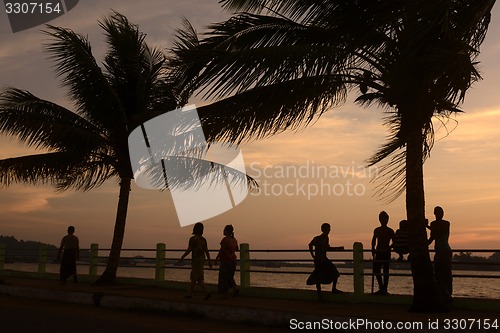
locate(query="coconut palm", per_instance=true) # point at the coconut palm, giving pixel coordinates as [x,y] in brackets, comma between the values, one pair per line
[84,147]
[278,65]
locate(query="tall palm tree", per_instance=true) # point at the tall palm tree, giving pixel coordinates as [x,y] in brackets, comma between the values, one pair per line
[86,146]
[278,65]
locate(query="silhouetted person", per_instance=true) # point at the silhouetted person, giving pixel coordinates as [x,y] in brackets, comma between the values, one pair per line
[401,243]
[198,247]
[325,272]
[227,257]
[381,251]
[440,233]
[70,248]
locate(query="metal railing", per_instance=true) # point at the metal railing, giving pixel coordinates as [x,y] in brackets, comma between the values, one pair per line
[162,259]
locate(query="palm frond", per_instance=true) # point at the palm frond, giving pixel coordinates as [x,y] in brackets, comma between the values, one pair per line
[88,87]
[60,169]
[391,176]
[265,111]
[251,50]
[190,173]
[137,72]
[45,125]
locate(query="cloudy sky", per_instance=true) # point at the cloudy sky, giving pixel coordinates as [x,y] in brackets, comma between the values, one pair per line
[309,177]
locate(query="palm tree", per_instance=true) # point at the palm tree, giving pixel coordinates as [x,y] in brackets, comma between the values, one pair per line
[277,65]
[86,147]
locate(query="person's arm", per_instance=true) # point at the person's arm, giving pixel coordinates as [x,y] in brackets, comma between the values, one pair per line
[220,252]
[188,251]
[431,237]
[207,254]
[334,248]
[60,249]
[374,242]
[77,249]
[311,250]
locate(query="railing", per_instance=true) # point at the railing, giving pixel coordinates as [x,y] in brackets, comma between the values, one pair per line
[162,262]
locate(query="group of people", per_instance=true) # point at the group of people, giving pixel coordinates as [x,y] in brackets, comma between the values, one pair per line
[197,246]
[384,241]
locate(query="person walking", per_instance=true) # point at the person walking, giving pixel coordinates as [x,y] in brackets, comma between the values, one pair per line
[70,249]
[325,272]
[228,260]
[198,247]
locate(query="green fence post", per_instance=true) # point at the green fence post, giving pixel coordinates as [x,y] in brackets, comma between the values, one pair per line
[244,265]
[358,269]
[42,259]
[2,257]
[94,253]
[160,262]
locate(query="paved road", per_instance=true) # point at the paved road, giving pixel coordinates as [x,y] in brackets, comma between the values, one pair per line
[20,315]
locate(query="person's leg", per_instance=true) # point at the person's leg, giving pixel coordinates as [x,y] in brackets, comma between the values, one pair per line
[376,270]
[190,290]
[335,279]
[204,288]
[386,276]
[444,278]
[222,281]
[62,277]
[75,278]
[449,275]
[318,291]
[232,282]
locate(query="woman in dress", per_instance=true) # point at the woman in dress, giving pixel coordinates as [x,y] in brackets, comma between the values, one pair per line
[227,257]
[440,233]
[198,247]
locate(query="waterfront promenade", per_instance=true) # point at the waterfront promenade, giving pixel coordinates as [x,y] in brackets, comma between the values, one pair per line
[258,309]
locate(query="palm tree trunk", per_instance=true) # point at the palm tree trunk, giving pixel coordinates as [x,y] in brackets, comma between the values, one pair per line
[109,274]
[425,294]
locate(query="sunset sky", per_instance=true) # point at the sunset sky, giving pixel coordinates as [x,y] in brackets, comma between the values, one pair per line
[462,174]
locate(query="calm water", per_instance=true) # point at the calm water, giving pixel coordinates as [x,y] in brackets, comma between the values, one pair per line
[466,287]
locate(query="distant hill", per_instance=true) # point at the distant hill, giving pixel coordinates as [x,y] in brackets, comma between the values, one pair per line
[25,251]
[468,257]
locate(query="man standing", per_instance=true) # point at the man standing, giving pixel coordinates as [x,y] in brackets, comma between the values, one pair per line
[70,246]
[381,251]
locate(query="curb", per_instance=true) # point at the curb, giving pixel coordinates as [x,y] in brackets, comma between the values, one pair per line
[210,311]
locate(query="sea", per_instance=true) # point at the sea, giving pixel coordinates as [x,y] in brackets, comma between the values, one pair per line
[484,285]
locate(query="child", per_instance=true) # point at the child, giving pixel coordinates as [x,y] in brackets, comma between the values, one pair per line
[198,246]
[401,245]
[381,251]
